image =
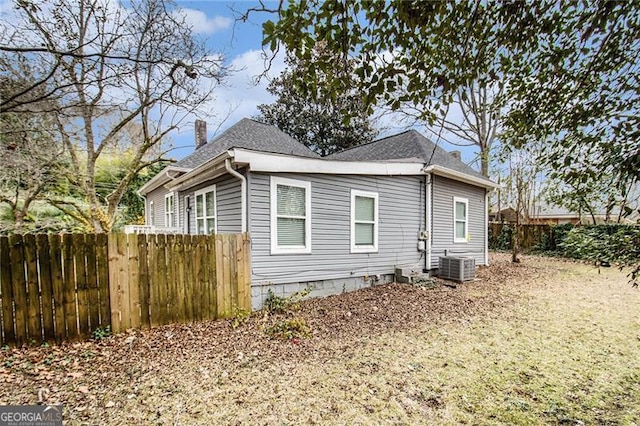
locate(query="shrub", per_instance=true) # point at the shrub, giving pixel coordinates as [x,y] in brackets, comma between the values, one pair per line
[101,333]
[609,243]
[558,234]
[605,243]
[503,240]
[585,243]
[240,316]
[278,304]
[288,329]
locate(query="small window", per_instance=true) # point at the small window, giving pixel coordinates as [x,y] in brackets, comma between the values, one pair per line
[460,219]
[290,216]
[364,222]
[152,213]
[206,210]
[169,211]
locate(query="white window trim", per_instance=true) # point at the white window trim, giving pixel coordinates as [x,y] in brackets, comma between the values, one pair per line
[275,248]
[203,191]
[151,213]
[466,220]
[371,248]
[167,222]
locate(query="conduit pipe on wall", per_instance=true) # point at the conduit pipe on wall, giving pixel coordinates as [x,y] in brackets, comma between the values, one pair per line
[243,193]
[486,230]
[427,220]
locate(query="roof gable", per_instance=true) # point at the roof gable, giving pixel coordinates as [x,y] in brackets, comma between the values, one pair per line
[409,146]
[248,134]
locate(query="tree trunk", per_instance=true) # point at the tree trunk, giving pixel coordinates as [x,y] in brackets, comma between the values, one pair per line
[19,216]
[515,235]
[484,161]
[515,238]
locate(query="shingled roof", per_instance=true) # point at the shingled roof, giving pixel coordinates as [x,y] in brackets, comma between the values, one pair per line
[248,134]
[409,146]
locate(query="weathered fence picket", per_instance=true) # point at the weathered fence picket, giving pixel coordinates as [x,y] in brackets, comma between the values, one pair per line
[63,287]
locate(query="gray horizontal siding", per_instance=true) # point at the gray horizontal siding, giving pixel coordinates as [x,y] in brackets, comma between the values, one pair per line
[157,196]
[443,192]
[401,215]
[228,205]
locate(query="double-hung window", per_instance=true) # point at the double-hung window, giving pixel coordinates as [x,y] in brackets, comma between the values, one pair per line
[290,216]
[151,213]
[364,222]
[460,220]
[169,211]
[206,210]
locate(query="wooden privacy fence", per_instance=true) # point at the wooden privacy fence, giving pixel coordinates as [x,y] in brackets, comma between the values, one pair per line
[63,287]
[531,235]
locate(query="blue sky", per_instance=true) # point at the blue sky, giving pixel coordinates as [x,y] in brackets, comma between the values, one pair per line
[241,43]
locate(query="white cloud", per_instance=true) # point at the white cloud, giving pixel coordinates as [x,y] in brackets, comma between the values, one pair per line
[238,98]
[201,23]
[241,92]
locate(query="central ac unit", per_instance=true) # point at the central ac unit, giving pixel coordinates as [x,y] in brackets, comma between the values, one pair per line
[457,268]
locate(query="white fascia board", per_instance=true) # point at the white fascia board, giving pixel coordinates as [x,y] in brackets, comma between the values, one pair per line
[278,163]
[282,163]
[160,179]
[461,177]
[192,176]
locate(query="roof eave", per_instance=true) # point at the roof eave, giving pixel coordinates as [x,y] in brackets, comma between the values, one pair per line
[204,171]
[461,177]
[160,179]
[282,163]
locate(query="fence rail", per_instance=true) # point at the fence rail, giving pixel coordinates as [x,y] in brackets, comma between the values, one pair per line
[62,287]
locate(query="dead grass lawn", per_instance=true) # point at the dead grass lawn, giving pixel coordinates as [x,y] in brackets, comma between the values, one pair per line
[546,341]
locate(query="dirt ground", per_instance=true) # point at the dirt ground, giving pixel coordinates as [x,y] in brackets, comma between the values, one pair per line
[543,341]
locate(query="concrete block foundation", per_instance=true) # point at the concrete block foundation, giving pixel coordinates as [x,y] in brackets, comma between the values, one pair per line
[259,291]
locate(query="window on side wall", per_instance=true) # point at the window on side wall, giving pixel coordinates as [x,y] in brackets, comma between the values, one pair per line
[169,211]
[152,213]
[460,219]
[364,222]
[205,199]
[290,216]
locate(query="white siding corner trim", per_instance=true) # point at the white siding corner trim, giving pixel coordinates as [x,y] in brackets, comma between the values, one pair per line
[460,220]
[292,213]
[364,216]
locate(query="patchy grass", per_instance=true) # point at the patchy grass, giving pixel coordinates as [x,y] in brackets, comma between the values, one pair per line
[545,341]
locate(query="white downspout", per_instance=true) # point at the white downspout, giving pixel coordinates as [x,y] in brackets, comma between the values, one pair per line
[486,227]
[243,193]
[427,219]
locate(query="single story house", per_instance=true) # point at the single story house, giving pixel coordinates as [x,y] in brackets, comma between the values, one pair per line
[505,215]
[550,214]
[336,223]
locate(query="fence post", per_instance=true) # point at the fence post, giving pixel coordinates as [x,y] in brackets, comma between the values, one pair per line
[118,272]
[143,278]
[102,265]
[7,292]
[211,259]
[46,286]
[18,287]
[57,280]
